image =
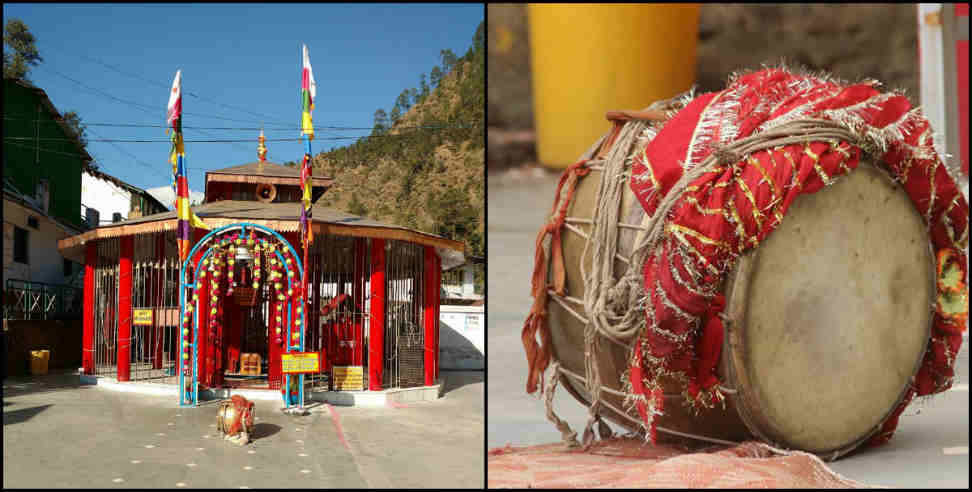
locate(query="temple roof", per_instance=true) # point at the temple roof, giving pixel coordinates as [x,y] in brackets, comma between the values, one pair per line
[268,169]
[281,217]
[267,173]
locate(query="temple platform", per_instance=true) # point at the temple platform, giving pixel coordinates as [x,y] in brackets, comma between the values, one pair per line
[387,397]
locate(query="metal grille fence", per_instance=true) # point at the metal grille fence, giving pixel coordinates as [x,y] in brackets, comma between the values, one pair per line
[340,288]
[37,300]
[155,273]
[106,307]
[404,334]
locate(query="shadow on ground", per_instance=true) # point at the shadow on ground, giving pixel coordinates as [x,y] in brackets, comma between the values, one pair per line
[22,385]
[453,380]
[22,415]
[262,430]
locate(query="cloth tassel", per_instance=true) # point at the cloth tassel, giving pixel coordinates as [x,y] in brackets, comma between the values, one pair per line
[709,348]
[538,354]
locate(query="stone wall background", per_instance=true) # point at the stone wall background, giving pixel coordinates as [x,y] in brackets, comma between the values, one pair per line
[852,41]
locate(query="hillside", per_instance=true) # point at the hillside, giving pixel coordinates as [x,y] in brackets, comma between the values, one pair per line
[422,167]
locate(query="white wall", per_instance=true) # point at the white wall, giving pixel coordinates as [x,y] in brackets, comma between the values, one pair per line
[104,196]
[45,262]
[462,337]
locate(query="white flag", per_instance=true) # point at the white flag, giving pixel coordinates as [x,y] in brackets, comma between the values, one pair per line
[174,110]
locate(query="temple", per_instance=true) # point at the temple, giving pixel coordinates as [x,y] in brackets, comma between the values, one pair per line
[372,302]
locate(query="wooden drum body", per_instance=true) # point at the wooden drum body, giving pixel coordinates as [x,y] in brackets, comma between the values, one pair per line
[828,319]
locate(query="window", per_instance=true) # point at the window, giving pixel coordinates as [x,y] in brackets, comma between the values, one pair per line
[68,270]
[20,245]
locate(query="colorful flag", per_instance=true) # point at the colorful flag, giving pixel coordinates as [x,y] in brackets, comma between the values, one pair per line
[186,219]
[305,209]
[308,94]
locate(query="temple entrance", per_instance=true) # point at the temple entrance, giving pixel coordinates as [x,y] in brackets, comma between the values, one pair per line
[241,308]
[246,348]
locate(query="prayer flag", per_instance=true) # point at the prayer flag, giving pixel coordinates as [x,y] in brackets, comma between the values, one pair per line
[308,94]
[186,219]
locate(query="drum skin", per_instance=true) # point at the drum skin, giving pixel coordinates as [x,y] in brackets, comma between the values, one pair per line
[831,316]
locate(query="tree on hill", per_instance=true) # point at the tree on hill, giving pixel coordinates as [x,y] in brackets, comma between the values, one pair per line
[435,76]
[448,60]
[17,37]
[423,88]
[381,122]
[356,207]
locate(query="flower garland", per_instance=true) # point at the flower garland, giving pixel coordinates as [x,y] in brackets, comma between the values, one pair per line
[222,266]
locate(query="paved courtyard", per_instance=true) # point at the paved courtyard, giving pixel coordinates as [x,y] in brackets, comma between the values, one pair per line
[59,433]
[929,450]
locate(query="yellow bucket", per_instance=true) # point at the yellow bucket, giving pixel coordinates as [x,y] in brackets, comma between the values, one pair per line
[38,361]
[589,59]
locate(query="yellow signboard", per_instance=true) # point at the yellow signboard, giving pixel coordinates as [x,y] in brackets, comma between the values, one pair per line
[348,378]
[142,317]
[300,362]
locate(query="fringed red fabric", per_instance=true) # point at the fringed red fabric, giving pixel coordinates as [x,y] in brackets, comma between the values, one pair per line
[733,207]
[538,354]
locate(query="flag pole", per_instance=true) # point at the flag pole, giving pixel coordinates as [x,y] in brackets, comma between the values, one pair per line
[303,287]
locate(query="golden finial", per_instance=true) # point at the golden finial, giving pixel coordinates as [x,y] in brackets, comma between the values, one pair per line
[262,150]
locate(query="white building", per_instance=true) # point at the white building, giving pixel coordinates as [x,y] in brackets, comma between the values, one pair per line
[106,199]
[30,238]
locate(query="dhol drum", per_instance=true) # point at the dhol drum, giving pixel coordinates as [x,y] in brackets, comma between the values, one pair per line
[235,416]
[808,354]
[835,311]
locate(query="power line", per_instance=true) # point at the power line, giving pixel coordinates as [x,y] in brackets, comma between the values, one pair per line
[144,164]
[295,139]
[253,128]
[159,84]
[152,110]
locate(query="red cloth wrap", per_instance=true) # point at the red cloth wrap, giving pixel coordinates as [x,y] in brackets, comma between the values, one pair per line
[244,413]
[714,222]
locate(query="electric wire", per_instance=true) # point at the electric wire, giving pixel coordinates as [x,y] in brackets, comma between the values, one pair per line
[159,84]
[247,128]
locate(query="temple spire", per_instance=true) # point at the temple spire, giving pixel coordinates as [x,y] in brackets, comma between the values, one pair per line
[261,150]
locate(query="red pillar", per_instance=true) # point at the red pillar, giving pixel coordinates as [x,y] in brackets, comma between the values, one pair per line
[437,301]
[125,307]
[429,315]
[376,343]
[87,354]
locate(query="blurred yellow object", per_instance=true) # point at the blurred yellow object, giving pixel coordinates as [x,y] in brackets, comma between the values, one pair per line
[38,361]
[588,59]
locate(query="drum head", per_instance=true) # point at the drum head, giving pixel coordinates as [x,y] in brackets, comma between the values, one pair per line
[832,315]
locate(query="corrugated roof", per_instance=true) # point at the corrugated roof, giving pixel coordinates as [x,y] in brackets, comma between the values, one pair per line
[245,209]
[268,169]
[282,217]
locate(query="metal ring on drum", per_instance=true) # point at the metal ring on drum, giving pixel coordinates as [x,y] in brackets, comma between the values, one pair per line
[828,319]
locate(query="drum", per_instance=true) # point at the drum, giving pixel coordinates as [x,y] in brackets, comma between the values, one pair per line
[234,415]
[827,320]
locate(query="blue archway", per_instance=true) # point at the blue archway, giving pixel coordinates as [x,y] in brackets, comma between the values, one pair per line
[189,394]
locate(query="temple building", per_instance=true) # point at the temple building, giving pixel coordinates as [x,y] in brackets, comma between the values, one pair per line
[372,305]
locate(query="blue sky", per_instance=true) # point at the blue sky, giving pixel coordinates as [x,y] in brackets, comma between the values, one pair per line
[240,55]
